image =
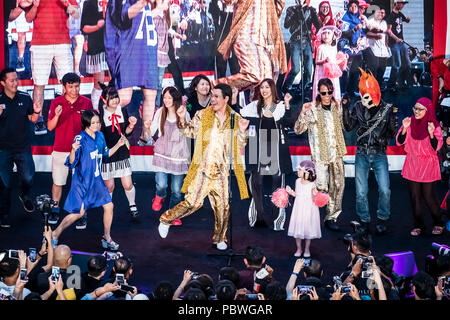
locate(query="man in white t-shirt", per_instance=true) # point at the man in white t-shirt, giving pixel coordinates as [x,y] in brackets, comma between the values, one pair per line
[9,276]
[378,52]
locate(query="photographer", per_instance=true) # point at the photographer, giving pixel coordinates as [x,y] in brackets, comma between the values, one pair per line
[351,295]
[229,273]
[255,277]
[91,279]
[312,273]
[225,291]
[359,249]
[442,288]
[423,286]
[125,267]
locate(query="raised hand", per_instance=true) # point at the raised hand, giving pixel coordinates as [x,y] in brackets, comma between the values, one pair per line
[76,145]
[58,110]
[306,107]
[406,122]
[182,112]
[243,124]
[287,99]
[132,120]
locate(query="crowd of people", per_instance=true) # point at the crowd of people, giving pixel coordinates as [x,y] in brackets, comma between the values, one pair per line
[46,275]
[92,141]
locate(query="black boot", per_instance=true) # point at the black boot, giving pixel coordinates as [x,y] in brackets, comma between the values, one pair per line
[381,227]
[331,224]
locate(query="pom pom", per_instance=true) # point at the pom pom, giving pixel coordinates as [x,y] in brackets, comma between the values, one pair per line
[321,199]
[280,198]
[341,60]
[331,70]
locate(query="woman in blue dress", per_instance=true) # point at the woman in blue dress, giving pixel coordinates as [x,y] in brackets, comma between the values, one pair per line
[88,190]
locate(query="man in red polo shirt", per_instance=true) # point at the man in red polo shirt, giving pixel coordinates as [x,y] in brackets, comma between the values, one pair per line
[65,117]
[50,44]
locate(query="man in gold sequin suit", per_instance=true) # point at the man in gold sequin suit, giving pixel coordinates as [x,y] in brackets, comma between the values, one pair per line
[257,41]
[209,170]
[323,120]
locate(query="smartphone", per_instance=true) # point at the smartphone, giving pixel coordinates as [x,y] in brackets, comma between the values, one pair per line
[13,254]
[307,262]
[304,289]
[346,289]
[126,288]
[56,272]
[195,276]
[366,274]
[23,275]
[261,274]
[251,296]
[32,254]
[4,295]
[120,279]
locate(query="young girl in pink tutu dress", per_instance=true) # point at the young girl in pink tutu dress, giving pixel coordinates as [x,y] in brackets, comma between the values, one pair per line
[305,217]
[329,62]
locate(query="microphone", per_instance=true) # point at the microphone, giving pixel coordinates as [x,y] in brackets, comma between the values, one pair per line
[232,119]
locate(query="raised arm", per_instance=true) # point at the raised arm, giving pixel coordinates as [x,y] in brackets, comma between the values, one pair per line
[304,119]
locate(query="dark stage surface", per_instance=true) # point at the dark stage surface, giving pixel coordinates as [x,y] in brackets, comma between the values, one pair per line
[187,246]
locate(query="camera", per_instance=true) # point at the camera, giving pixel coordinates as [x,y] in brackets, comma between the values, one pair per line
[56,273]
[13,254]
[366,262]
[304,290]
[32,254]
[126,288]
[346,289]
[307,262]
[337,281]
[120,279]
[440,249]
[23,275]
[446,285]
[44,203]
[112,255]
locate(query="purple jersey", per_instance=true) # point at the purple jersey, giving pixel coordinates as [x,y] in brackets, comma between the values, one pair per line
[131,46]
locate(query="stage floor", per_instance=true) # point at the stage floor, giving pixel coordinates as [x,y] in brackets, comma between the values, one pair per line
[188,246]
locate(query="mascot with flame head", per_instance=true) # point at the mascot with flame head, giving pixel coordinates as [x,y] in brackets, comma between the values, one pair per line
[375,122]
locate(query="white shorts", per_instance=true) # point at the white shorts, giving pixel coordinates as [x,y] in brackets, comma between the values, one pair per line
[59,170]
[42,57]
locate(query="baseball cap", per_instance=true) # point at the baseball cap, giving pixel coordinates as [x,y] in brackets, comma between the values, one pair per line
[363,4]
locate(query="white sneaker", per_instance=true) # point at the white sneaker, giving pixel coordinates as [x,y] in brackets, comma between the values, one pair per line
[222,246]
[163,230]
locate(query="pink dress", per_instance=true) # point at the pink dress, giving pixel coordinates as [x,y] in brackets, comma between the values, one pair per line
[421,163]
[305,217]
[326,51]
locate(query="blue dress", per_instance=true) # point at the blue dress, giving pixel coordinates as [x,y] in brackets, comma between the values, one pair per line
[87,183]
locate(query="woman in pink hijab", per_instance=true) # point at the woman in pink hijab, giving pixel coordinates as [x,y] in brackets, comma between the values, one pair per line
[421,137]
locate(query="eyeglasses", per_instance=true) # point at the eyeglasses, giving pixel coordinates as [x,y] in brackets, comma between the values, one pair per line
[415,109]
[324,93]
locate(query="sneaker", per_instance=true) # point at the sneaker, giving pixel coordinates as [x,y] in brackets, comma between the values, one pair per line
[222,246]
[331,225]
[82,223]
[110,244]
[20,65]
[40,128]
[53,217]
[134,211]
[28,205]
[5,222]
[157,203]
[163,230]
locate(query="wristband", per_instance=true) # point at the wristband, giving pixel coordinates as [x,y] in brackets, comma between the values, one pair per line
[295,274]
[40,255]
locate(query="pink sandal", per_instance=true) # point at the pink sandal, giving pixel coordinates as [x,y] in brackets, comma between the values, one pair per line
[416,232]
[437,230]
[177,222]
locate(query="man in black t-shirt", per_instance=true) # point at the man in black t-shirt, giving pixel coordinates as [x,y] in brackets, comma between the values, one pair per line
[401,65]
[16,112]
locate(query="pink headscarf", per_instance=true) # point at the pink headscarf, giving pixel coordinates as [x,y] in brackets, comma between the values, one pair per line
[419,127]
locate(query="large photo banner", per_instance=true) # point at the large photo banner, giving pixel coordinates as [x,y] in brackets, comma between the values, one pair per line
[171,42]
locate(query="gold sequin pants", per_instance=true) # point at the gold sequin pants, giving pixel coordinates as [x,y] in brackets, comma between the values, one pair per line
[216,188]
[331,179]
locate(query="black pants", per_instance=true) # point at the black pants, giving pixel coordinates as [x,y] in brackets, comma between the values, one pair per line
[221,65]
[418,192]
[174,69]
[376,64]
[262,188]
[350,78]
